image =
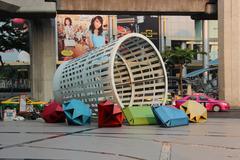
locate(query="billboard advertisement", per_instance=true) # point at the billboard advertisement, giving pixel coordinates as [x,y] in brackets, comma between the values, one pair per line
[78,34]
[149,27]
[125,25]
[146,25]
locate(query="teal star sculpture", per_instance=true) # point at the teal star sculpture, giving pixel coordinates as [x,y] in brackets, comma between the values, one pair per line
[77,112]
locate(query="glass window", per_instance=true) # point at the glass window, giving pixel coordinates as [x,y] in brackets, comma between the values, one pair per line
[192,98]
[203,98]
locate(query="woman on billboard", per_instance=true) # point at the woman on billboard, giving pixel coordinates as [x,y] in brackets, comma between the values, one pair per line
[68,28]
[68,33]
[95,37]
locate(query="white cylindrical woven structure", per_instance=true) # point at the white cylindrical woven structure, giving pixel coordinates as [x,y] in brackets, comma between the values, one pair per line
[129,71]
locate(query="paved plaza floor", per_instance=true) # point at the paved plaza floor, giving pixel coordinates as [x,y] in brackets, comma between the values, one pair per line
[217,139]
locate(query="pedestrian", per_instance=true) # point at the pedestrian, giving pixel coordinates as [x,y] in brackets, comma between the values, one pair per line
[1,61]
[173,98]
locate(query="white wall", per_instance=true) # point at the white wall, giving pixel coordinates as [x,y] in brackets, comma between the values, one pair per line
[179,28]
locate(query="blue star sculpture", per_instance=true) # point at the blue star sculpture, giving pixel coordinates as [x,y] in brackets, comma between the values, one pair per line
[77,112]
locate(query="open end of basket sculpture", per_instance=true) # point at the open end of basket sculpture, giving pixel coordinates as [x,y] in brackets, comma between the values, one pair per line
[129,71]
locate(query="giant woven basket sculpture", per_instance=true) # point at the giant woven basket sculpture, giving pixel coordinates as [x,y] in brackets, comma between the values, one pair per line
[129,71]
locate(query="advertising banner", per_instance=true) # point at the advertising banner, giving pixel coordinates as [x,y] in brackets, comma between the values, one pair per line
[146,25]
[150,28]
[78,34]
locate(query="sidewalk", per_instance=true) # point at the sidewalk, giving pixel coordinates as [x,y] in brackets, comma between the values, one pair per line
[215,139]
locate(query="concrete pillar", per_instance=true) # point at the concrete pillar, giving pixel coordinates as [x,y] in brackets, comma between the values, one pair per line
[191,46]
[205,39]
[43,57]
[114,27]
[198,30]
[229,47]
[110,28]
[184,46]
[161,25]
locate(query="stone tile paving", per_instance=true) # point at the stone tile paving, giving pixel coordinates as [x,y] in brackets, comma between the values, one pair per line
[215,139]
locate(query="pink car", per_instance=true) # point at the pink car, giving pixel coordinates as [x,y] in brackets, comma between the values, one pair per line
[210,103]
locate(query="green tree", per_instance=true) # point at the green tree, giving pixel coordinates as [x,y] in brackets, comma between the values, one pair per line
[13,36]
[178,57]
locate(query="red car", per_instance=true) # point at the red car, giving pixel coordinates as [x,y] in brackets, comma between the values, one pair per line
[210,103]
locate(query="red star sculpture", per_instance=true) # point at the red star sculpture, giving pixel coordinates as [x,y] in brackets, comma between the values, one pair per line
[53,113]
[109,114]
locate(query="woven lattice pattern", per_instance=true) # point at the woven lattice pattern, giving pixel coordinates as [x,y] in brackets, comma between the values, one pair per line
[129,72]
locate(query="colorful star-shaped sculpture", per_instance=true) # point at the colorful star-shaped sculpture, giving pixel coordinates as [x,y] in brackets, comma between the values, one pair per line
[109,114]
[77,112]
[170,116]
[53,113]
[139,115]
[195,111]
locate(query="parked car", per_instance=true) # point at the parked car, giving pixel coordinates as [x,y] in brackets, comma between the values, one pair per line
[210,103]
[14,102]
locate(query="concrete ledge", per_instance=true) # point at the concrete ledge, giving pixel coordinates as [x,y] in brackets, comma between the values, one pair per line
[7,7]
[134,6]
[31,6]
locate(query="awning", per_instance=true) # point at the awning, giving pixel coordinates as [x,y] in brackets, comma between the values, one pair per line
[198,72]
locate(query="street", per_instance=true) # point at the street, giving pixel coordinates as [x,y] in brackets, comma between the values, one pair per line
[233,113]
